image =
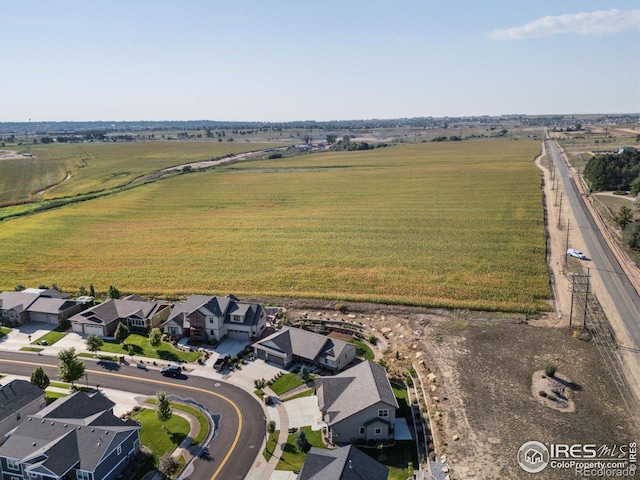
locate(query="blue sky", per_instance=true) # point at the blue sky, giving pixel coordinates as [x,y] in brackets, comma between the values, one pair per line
[302,60]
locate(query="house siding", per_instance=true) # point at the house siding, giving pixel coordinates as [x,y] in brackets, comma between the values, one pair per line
[113,463]
[6,473]
[14,420]
[348,430]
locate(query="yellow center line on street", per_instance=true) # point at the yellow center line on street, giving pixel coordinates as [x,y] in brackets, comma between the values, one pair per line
[148,380]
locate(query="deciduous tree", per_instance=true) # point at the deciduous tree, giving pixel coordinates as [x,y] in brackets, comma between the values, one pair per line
[155,338]
[39,378]
[163,407]
[94,342]
[70,367]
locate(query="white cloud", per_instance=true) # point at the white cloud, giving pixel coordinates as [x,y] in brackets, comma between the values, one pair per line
[601,22]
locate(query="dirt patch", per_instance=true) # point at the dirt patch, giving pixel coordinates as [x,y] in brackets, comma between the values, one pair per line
[553,392]
[481,390]
[10,155]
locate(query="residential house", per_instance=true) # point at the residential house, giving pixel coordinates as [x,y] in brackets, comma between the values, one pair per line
[53,310]
[291,345]
[358,404]
[14,305]
[205,318]
[37,305]
[77,437]
[344,463]
[18,399]
[133,311]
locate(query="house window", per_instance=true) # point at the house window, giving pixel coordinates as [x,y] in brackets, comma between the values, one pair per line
[383,413]
[13,464]
[362,430]
[119,450]
[378,431]
[34,475]
[16,478]
[210,320]
[236,318]
[82,475]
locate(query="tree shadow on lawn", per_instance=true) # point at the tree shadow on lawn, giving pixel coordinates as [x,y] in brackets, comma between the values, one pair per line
[168,356]
[177,437]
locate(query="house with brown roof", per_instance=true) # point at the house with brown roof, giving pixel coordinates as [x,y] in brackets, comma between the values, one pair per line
[133,311]
[204,318]
[291,345]
[358,404]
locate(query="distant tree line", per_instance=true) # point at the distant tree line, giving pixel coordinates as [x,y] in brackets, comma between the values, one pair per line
[347,144]
[614,171]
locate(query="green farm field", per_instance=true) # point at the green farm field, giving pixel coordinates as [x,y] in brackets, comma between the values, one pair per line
[456,224]
[100,166]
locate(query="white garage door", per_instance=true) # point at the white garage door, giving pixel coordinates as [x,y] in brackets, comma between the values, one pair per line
[77,327]
[92,330]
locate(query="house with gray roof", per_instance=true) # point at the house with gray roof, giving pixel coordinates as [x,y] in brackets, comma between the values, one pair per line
[37,305]
[358,404]
[53,310]
[133,311]
[18,399]
[344,463]
[78,438]
[14,305]
[291,345]
[204,318]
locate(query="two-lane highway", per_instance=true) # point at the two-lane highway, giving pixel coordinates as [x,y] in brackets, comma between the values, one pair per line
[623,296]
[242,426]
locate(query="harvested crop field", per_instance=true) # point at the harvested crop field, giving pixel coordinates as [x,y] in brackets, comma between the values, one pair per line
[455,225]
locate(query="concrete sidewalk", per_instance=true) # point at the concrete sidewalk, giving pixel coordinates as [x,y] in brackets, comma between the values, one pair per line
[125,401]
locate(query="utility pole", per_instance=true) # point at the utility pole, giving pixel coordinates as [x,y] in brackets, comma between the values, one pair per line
[586,297]
[566,247]
[560,210]
[573,289]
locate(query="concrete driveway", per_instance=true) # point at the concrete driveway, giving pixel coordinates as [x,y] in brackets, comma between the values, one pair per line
[304,411]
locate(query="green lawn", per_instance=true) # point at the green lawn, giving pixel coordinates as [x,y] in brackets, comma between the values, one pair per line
[306,393]
[112,358]
[142,348]
[158,438]
[202,419]
[31,349]
[53,396]
[272,443]
[363,350]
[52,337]
[404,409]
[4,331]
[397,458]
[286,382]
[292,458]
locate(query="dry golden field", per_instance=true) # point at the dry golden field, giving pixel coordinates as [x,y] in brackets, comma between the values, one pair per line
[456,224]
